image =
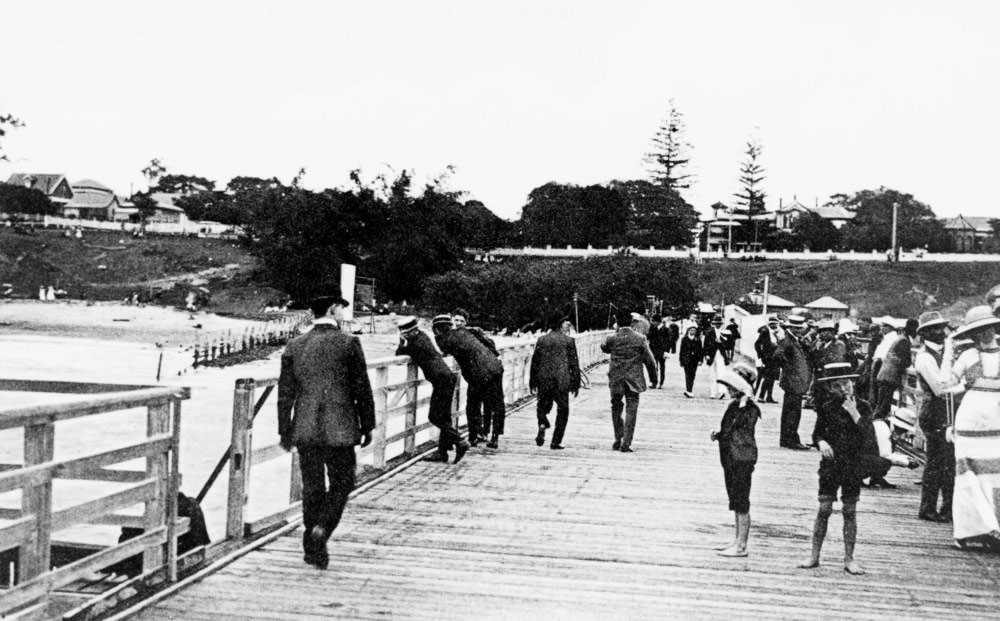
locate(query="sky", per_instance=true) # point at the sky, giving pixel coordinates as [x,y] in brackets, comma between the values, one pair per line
[843,96]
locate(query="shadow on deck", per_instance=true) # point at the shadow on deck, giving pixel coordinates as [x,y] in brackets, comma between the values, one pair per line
[531,533]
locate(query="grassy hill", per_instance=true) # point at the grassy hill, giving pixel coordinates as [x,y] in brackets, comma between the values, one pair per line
[111,266]
[874,288]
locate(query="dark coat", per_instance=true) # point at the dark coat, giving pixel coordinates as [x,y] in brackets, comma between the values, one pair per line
[691,353]
[629,353]
[795,372]
[659,340]
[736,433]
[826,353]
[555,366]
[419,347]
[324,382]
[713,344]
[479,365]
[899,358]
[675,332]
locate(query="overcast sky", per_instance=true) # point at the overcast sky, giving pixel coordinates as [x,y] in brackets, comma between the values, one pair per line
[843,96]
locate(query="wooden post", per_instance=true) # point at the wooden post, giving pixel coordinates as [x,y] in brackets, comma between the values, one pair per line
[158,469]
[381,405]
[409,443]
[173,483]
[35,554]
[239,462]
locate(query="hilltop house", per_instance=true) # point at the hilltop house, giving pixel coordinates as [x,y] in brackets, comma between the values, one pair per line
[91,201]
[786,215]
[56,187]
[970,233]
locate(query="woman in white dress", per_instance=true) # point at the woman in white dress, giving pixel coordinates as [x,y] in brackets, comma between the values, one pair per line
[977,431]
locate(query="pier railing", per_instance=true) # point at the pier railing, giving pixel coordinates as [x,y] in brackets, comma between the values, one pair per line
[401,400]
[26,534]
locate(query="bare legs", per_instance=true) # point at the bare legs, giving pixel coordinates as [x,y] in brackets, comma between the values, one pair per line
[739,546]
[850,535]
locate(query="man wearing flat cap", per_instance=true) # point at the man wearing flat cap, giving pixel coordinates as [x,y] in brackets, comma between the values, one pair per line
[421,350]
[554,373]
[935,415]
[325,409]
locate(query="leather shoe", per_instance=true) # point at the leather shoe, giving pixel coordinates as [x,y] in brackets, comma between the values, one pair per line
[882,484]
[493,443]
[798,446]
[540,438]
[557,447]
[440,458]
[929,516]
[617,445]
[626,449]
[460,450]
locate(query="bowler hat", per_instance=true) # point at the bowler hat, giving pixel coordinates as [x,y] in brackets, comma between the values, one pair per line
[834,371]
[406,323]
[977,317]
[717,320]
[321,304]
[931,319]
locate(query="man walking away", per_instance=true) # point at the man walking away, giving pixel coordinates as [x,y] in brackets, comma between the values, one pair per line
[325,408]
[629,352]
[555,372]
[419,347]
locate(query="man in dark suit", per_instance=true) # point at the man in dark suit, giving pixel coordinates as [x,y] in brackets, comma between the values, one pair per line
[629,353]
[659,338]
[555,372]
[769,370]
[890,375]
[473,398]
[714,350]
[419,347]
[325,408]
[480,368]
[675,335]
[795,379]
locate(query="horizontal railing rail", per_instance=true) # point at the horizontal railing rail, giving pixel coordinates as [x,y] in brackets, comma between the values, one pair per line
[29,530]
[396,385]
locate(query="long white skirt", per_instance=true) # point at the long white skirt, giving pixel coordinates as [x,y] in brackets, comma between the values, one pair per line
[976,503]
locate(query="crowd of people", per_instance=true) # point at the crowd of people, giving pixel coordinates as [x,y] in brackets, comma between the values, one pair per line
[849,383]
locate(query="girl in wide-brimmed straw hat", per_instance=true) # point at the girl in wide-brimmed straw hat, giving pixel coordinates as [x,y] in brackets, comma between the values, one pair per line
[976,432]
[738,449]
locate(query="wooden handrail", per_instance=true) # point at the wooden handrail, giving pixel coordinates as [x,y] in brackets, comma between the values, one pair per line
[396,382]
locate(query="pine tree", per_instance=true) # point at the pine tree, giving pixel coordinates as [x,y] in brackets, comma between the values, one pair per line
[750,200]
[670,153]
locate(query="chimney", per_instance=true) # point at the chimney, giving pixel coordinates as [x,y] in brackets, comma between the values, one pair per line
[780,201]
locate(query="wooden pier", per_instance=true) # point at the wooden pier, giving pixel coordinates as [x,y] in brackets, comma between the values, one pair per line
[591,533]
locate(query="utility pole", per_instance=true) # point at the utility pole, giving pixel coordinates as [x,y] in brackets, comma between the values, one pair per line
[576,311]
[895,247]
[764,303]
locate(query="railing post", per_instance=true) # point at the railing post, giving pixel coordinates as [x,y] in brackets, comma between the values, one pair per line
[409,443]
[173,483]
[381,407]
[35,555]
[158,469]
[239,462]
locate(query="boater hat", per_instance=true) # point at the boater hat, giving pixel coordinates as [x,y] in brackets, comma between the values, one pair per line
[835,371]
[441,320]
[931,319]
[406,323]
[717,320]
[795,321]
[977,317]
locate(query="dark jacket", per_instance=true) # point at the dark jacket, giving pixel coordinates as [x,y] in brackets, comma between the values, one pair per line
[324,396]
[690,354]
[659,340]
[897,361]
[795,373]
[419,347]
[713,343]
[835,426]
[765,346]
[736,433]
[675,332]
[479,365]
[629,353]
[555,367]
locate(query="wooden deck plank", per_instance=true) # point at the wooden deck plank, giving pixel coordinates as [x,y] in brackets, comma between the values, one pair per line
[587,532]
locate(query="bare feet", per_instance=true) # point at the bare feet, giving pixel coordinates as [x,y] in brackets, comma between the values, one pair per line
[853,568]
[725,546]
[733,552]
[810,564]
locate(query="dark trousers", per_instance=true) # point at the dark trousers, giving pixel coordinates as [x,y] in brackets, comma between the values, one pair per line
[545,401]
[671,346]
[939,474]
[322,505]
[884,404]
[624,430]
[484,407]
[689,373]
[661,365]
[791,413]
[439,415]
